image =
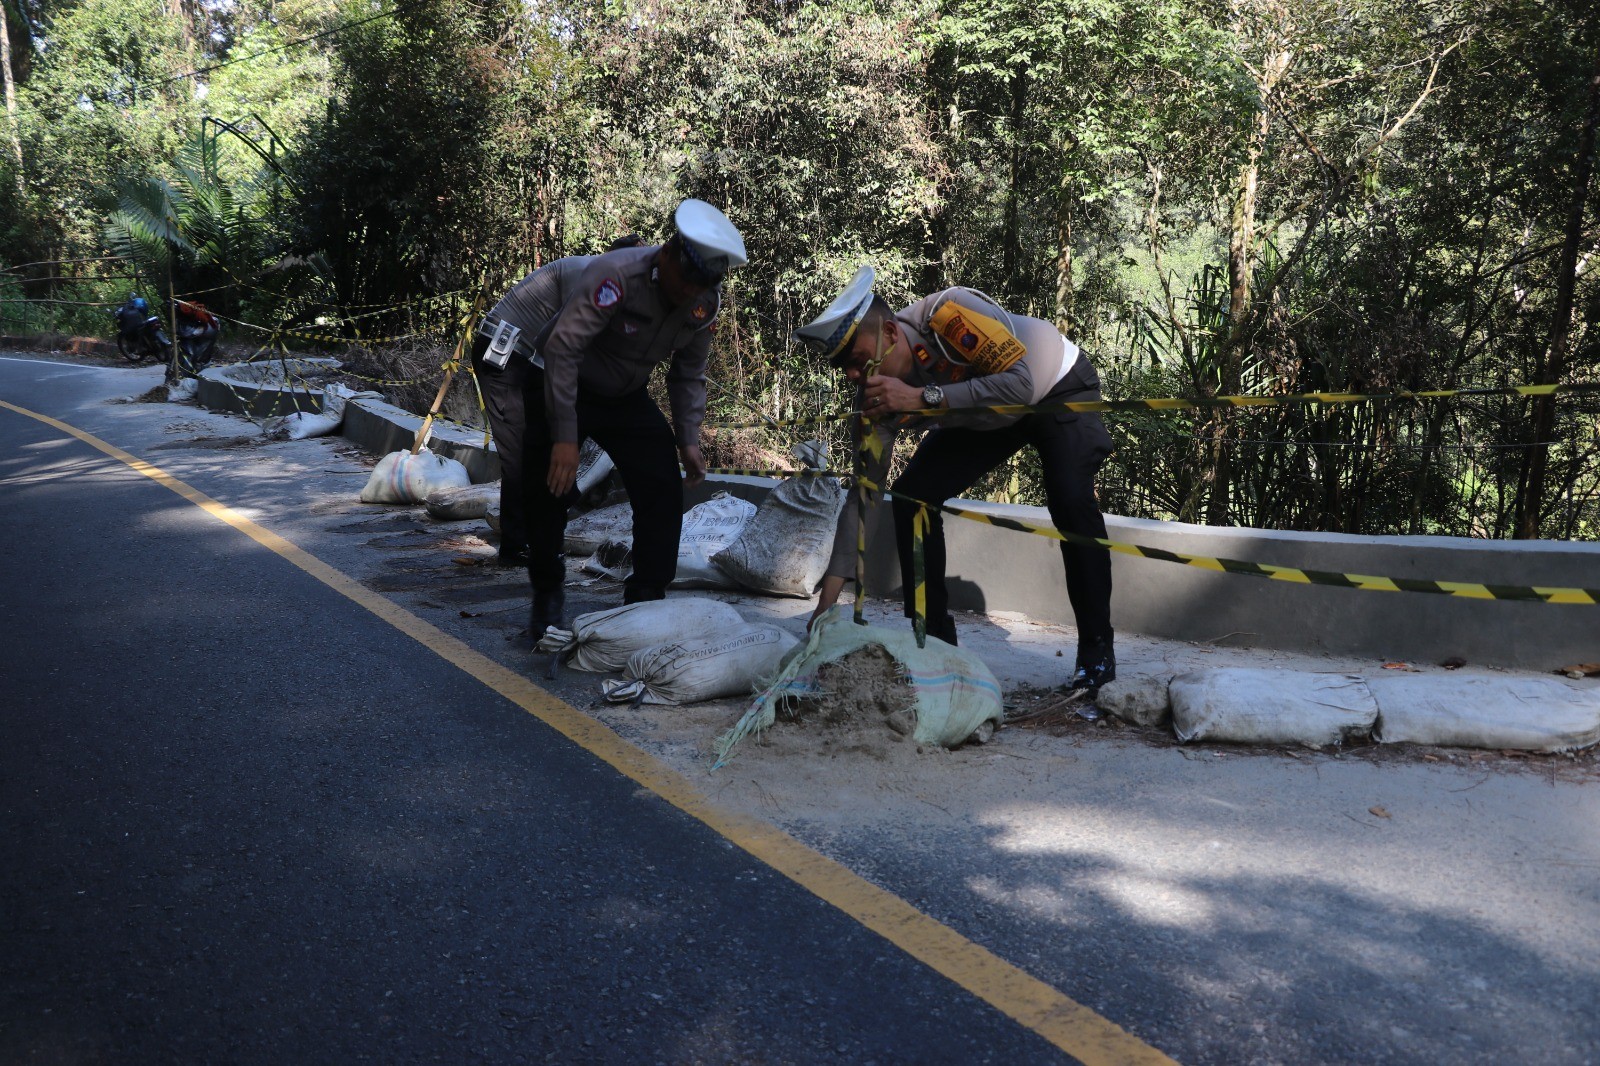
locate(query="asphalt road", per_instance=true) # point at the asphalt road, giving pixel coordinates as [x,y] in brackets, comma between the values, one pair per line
[246,820]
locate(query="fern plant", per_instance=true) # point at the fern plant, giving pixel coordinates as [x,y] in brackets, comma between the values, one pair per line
[197,231]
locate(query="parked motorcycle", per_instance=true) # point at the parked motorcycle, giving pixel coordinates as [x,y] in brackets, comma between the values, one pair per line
[139,335]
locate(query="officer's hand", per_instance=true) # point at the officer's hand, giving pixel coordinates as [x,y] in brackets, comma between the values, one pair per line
[827,596]
[563,468]
[694,464]
[887,395]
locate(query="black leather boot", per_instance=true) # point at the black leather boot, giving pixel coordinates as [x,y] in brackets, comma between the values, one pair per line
[548,608]
[943,628]
[642,593]
[1097,664]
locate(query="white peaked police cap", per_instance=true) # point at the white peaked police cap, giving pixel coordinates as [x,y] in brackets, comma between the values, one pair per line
[710,241]
[832,331]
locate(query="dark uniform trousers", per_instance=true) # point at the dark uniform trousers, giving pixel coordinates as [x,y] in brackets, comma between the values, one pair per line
[502,401]
[636,435]
[1071,446]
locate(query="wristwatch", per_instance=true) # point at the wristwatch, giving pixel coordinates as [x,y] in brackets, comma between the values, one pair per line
[932,396]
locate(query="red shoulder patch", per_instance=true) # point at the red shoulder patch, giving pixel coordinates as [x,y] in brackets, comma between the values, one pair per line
[700,313]
[607,293]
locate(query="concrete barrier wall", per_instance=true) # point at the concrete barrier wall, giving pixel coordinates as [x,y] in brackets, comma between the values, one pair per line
[231,387]
[998,569]
[1002,570]
[993,569]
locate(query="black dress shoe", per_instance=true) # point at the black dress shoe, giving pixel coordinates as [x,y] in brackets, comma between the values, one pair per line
[547,610]
[943,628]
[642,594]
[1097,665]
[516,557]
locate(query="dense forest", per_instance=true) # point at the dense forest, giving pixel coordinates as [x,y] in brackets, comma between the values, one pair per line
[1222,197]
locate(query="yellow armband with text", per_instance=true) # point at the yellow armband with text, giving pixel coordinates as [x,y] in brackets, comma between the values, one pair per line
[977,339]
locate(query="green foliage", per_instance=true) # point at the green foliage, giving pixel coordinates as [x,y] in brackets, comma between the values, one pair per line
[197,231]
[1267,195]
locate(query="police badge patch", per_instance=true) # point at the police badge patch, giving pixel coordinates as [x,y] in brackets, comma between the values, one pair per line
[607,294]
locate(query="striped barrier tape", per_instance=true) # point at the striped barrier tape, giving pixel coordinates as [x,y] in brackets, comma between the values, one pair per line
[326,338]
[781,423]
[1179,403]
[384,309]
[919,577]
[1463,589]
[752,471]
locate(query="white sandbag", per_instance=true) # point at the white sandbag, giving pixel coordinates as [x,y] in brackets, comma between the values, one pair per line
[401,477]
[455,505]
[184,390]
[602,641]
[588,531]
[1520,713]
[708,528]
[784,549]
[613,559]
[594,466]
[730,662]
[1271,707]
[300,425]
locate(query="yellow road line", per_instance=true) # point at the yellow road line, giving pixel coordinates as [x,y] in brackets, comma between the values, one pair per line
[1068,1025]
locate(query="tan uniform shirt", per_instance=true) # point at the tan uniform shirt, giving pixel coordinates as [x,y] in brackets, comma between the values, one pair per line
[1041,375]
[530,302]
[614,330]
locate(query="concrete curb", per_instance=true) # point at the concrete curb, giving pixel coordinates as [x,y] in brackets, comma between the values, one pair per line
[248,388]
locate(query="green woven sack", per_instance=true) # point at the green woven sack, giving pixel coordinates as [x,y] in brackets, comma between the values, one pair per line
[955,694]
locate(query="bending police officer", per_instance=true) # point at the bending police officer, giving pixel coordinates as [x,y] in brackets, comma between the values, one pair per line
[958,349]
[630,311]
[503,374]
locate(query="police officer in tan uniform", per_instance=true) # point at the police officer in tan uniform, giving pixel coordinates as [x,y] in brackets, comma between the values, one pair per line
[503,357]
[630,311]
[958,349]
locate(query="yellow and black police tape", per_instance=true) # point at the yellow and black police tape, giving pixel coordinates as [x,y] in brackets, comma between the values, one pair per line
[1471,590]
[1181,403]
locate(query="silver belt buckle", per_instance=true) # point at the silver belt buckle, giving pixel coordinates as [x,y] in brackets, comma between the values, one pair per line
[502,342]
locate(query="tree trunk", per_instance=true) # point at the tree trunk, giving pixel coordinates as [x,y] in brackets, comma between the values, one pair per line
[1010,239]
[11,94]
[1530,500]
[1241,255]
[1064,318]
